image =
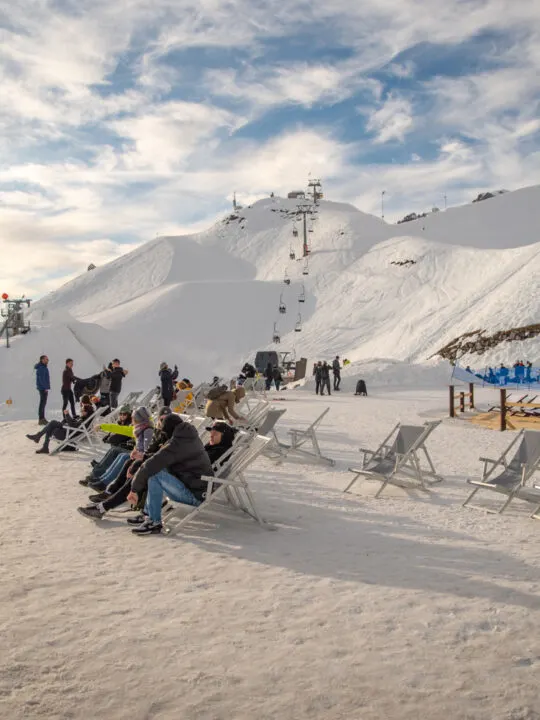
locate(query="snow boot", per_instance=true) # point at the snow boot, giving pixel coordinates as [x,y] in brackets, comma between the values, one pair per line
[100,497]
[42,451]
[35,437]
[138,519]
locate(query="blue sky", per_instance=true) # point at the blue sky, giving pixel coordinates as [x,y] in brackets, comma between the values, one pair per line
[141,117]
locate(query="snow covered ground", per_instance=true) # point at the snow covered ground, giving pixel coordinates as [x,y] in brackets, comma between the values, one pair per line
[395,608]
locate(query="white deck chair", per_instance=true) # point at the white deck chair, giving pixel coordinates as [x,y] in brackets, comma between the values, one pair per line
[267,429]
[130,399]
[84,437]
[301,440]
[233,485]
[514,475]
[397,461]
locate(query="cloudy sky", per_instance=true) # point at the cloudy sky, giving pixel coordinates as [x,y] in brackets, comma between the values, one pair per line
[122,120]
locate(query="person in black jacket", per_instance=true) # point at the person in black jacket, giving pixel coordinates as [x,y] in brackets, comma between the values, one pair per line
[117,375]
[167,378]
[57,428]
[317,372]
[249,371]
[336,369]
[269,375]
[68,378]
[221,440]
[325,377]
[176,470]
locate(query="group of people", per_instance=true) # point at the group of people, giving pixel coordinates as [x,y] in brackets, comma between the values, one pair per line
[103,388]
[148,459]
[522,374]
[321,373]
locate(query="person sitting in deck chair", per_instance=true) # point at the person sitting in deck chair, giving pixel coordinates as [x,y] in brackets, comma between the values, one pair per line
[175,470]
[142,433]
[57,428]
[118,441]
[116,492]
[181,406]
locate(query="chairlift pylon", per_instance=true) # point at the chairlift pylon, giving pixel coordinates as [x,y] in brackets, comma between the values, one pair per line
[298,326]
[282,306]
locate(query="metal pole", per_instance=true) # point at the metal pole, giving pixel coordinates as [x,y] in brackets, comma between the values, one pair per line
[383,193]
[306,252]
[452,406]
[503,409]
[471,396]
[7,327]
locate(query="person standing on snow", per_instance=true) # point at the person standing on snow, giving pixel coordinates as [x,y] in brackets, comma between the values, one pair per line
[317,372]
[68,378]
[43,385]
[336,369]
[117,375]
[167,378]
[325,376]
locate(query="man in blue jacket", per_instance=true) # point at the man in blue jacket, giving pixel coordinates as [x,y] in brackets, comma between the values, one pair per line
[43,384]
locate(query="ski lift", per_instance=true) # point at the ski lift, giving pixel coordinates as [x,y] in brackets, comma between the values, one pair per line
[292,254]
[305,271]
[275,335]
[286,279]
[302,296]
[298,326]
[295,232]
[282,306]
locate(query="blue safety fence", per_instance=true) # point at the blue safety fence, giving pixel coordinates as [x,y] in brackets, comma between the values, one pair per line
[524,376]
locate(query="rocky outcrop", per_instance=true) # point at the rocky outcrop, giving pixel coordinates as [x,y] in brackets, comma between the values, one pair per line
[479,341]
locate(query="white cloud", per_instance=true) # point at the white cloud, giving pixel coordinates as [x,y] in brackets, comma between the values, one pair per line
[85,188]
[392,121]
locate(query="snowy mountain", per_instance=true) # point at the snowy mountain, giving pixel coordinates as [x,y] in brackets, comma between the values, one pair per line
[371,290]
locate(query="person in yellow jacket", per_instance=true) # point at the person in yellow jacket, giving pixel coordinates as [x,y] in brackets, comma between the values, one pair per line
[181,406]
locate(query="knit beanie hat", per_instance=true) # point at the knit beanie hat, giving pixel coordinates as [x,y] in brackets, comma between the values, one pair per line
[141,415]
[162,365]
[165,411]
[125,410]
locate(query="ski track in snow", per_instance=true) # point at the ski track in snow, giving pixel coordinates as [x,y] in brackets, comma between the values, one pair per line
[353,608]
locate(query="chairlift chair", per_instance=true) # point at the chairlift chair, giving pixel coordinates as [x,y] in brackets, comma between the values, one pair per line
[305,271]
[298,326]
[295,232]
[286,279]
[275,336]
[282,306]
[302,296]
[292,254]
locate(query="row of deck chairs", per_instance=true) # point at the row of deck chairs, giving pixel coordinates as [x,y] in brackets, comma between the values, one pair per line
[403,460]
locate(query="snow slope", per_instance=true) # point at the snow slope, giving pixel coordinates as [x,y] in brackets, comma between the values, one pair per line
[210,300]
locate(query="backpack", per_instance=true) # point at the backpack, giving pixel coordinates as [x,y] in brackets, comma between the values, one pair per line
[216,392]
[361,388]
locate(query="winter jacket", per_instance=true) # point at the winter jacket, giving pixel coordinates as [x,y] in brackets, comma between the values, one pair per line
[269,372]
[222,408]
[183,456]
[325,372]
[276,375]
[43,380]
[117,375]
[318,372]
[105,383]
[249,371]
[68,378]
[335,367]
[214,452]
[143,436]
[167,377]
